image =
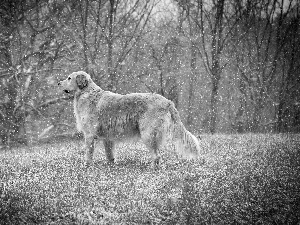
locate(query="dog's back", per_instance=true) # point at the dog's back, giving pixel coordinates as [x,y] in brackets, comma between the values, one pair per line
[119,115]
[123,116]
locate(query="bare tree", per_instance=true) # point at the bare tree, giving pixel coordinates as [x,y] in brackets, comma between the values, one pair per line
[193,54]
[30,49]
[115,26]
[211,25]
[288,95]
[258,44]
[84,9]
[161,55]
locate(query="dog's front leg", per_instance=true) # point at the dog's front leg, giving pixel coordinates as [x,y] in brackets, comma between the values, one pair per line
[89,143]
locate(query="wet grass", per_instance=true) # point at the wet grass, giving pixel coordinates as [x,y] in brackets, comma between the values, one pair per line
[245,179]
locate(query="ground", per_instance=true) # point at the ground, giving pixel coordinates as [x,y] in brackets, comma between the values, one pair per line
[244,179]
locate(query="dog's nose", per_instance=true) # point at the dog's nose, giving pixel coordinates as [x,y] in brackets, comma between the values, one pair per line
[58,83]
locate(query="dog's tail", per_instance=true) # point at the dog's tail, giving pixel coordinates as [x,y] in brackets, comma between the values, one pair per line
[185,142]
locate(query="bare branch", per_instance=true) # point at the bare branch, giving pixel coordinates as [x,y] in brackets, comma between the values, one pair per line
[35,109]
[54,101]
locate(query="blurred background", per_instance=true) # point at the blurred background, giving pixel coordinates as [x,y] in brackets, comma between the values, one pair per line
[229,66]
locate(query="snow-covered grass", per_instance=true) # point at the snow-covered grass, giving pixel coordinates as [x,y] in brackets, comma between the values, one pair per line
[245,179]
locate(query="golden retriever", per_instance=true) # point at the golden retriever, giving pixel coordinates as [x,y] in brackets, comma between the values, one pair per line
[114,117]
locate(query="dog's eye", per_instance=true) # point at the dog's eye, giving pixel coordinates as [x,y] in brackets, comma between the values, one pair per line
[69,78]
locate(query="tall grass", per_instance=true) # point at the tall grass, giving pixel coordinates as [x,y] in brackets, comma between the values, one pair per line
[245,179]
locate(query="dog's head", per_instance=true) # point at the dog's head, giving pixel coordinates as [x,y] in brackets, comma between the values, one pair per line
[76,81]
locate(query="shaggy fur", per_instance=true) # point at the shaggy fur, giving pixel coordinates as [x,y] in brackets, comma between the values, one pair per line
[114,117]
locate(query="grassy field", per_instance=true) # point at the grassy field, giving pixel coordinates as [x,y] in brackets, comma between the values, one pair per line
[245,179]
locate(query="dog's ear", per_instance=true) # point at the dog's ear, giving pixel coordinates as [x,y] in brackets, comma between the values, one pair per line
[81,81]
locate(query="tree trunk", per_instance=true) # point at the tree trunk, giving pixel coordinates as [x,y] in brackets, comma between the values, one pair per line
[84,17]
[280,121]
[214,100]
[280,111]
[111,72]
[256,119]
[216,70]
[8,126]
[192,80]
[12,120]
[287,79]
[161,82]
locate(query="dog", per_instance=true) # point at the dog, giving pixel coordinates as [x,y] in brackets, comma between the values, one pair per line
[114,117]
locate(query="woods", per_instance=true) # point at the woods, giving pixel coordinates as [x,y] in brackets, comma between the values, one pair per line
[229,66]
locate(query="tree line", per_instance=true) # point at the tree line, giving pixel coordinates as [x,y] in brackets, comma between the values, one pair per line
[229,66]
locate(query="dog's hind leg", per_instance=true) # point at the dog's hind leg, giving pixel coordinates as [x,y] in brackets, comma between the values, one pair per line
[109,150]
[90,145]
[153,133]
[152,141]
